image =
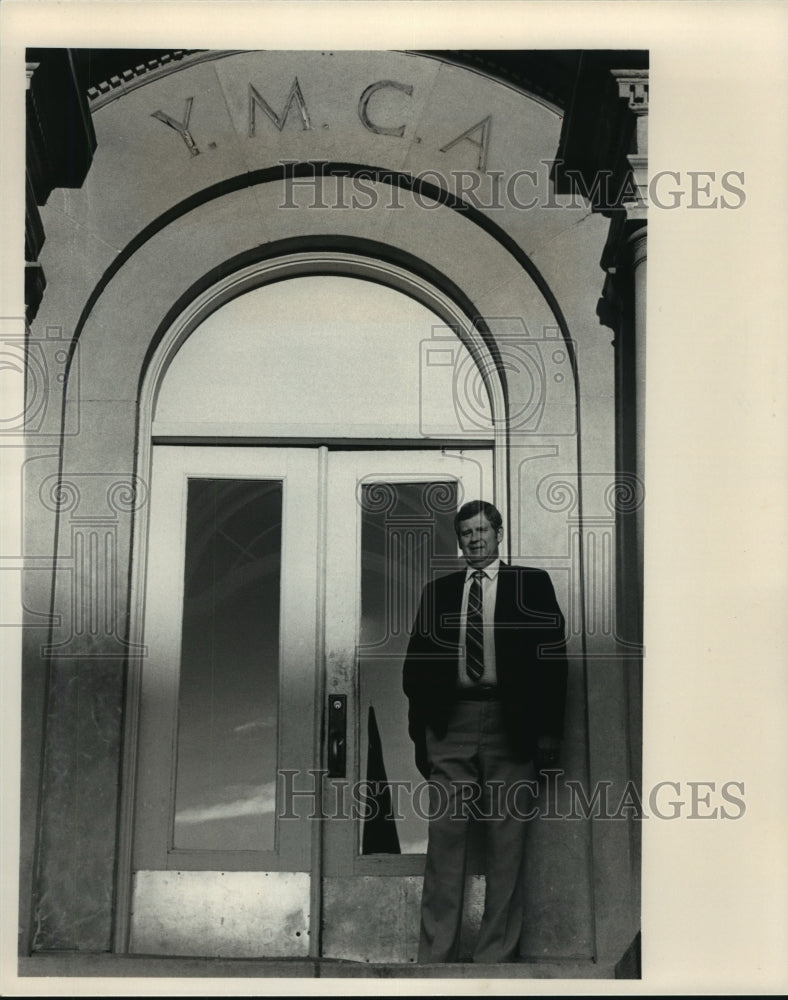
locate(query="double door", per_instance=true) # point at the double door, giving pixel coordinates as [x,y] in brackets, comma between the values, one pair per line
[278,811]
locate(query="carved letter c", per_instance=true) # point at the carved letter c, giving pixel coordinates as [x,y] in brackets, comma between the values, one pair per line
[398,130]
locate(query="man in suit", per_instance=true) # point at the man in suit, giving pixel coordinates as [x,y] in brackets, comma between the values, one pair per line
[485,676]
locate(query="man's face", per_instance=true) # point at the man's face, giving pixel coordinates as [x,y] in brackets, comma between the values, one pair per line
[479,541]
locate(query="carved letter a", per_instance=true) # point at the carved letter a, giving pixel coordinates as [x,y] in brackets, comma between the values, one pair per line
[485,127]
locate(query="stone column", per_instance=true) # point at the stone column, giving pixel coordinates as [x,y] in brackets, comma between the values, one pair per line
[637,246]
[623,308]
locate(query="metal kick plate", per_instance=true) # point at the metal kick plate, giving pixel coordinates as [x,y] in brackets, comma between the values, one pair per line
[220,914]
[376,918]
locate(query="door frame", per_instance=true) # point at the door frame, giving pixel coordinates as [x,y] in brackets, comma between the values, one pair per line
[329,624]
[474,336]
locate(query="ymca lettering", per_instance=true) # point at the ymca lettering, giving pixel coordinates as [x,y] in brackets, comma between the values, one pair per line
[476,136]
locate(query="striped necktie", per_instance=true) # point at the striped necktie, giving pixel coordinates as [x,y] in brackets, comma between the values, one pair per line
[474,629]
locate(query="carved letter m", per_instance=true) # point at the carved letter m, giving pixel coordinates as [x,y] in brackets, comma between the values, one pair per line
[279,120]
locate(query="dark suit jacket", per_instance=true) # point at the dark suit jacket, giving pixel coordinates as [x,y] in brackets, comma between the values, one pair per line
[530,659]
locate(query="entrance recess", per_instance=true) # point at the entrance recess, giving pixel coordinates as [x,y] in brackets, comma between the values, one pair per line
[277,803]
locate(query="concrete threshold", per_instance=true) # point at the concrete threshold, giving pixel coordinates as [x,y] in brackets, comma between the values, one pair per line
[81,964]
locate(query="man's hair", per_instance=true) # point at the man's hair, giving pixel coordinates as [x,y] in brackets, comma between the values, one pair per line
[474,507]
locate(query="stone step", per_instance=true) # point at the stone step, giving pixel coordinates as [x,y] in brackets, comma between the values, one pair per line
[82,964]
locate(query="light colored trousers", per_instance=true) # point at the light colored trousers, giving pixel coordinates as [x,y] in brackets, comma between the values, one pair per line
[473,774]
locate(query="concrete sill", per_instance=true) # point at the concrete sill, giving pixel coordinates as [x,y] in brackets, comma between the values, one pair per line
[76,964]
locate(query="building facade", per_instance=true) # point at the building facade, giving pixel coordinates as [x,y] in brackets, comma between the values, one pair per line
[285,310]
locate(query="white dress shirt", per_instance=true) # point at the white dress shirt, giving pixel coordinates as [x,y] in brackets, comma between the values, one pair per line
[489,583]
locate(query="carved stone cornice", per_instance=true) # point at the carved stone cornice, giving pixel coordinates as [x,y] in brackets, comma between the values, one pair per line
[132,77]
[633,85]
[60,142]
[34,227]
[60,135]
[633,88]
[608,307]
[545,75]
[637,244]
[624,233]
[625,249]
[604,139]
[35,283]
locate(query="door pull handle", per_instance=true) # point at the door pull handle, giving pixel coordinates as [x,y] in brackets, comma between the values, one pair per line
[337,736]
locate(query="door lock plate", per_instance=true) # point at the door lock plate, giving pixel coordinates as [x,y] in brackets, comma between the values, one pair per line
[337,735]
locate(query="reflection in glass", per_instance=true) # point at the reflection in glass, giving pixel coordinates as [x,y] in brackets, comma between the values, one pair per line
[407,538]
[225,797]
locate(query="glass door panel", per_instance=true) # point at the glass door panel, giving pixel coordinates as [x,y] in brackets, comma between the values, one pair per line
[228,693]
[407,535]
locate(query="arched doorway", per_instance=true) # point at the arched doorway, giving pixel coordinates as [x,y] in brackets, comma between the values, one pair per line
[281,562]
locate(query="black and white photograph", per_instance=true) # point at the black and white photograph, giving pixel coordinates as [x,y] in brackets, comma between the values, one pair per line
[353,634]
